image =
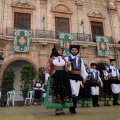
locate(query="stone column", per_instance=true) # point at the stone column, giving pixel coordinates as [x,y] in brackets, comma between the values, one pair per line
[114,22]
[113,16]
[43,11]
[1,16]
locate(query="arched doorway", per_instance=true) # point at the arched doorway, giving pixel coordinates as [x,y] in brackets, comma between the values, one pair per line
[17,67]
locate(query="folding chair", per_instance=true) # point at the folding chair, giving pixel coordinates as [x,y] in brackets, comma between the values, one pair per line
[29,97]
[10,97]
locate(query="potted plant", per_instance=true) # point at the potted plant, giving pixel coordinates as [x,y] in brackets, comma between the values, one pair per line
[28,74]
[41,74]
[7,83]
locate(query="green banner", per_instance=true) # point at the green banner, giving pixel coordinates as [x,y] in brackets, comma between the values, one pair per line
[21,40]
[65,41]
[102,46]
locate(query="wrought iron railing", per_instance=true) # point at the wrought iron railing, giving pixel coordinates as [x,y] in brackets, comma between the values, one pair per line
[55,35]
[82,37]
[108,37]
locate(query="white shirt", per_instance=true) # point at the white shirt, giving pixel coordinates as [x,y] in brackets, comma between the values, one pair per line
[83,73]
[94,74]
[58,61]
[114,71]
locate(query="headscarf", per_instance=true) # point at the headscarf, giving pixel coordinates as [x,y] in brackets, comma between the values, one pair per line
[54,50]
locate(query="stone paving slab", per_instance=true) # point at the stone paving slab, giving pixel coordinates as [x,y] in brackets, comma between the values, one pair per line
[41,113]
[18,117]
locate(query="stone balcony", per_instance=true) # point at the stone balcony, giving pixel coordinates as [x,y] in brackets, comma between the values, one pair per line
[54,35]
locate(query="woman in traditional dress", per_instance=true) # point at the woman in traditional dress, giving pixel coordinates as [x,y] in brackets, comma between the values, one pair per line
[85,92]
[58,94]
[106,93]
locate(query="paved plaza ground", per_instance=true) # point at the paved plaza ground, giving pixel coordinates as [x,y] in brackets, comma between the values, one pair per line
[41,113]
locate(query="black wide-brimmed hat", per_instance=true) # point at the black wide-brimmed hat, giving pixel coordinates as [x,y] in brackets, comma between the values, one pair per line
[112,60]
[93,64]
[75,46]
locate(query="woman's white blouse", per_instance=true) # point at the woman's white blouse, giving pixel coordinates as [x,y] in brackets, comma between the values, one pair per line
[58,61]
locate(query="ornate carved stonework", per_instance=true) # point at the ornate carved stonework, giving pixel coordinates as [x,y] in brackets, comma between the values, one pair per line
[61,8]
[22,4]
[112,6]
[79,4]
[96,13]
[61,0]
[43,1]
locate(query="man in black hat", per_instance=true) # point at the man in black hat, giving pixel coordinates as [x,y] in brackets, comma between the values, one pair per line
[95,80]
[76,75]
[114,80]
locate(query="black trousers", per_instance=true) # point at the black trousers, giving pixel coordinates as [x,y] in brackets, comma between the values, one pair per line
[72,109]
[95,99]
[38,94]
[115,99]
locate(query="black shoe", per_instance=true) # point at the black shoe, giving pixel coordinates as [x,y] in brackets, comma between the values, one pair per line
[97,105]
[108,105]
[72,110]
[105,104]
[57,112]
[62,112]
[83,106]
[116,104]
[94,105]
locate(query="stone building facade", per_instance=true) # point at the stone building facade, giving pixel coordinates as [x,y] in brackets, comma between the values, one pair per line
[84,18]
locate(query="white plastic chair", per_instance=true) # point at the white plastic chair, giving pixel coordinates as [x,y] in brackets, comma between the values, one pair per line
[29,97]
[43,95]
[44,86]
[10,97]
[0,97]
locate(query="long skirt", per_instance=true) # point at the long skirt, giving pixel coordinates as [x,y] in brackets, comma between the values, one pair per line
[85,94]
[106,92]
[59,93]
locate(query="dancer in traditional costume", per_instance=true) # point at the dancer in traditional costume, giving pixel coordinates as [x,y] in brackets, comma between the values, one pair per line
[58,94]
[95,80]
[114,80]
[76,75]
[106,93]
[85,92]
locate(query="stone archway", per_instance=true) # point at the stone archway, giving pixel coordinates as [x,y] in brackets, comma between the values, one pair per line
[17,67]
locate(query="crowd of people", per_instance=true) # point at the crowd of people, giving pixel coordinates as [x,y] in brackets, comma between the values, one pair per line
[70,82]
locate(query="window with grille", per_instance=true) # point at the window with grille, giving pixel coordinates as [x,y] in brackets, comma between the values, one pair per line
[97,29]
[61,25]
[22,20]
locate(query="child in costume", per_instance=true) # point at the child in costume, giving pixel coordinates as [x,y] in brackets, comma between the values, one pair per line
[95,80]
